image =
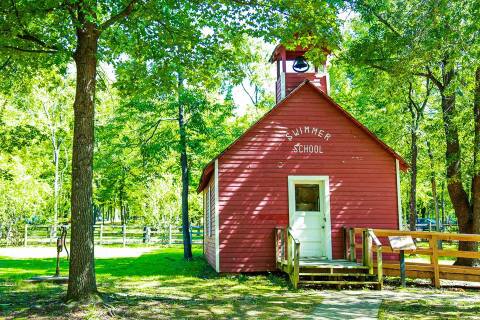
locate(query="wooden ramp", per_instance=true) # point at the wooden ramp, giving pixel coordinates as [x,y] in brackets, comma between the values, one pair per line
[337,273]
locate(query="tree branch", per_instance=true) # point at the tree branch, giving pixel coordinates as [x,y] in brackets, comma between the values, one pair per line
[28,50]
[5,64]
[379,17]
[249,95]
[155,127]
[117,17]
[31,38]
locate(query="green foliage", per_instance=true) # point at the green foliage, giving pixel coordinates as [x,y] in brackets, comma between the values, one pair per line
[212,47]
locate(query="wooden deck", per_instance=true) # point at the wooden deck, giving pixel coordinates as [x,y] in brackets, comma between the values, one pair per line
[315,262]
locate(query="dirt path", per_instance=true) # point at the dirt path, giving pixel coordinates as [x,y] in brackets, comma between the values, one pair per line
[365,304]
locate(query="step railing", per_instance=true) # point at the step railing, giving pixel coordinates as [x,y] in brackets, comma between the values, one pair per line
[287,254]
[280,246]
[370,244]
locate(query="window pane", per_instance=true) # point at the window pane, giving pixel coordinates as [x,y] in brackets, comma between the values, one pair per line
[307,197]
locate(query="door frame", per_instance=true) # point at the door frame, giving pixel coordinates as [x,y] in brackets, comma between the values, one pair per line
[325,202]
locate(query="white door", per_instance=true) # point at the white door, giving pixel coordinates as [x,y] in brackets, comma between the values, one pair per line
[309,218]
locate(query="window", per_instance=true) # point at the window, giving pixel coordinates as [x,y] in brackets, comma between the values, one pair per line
[307,197]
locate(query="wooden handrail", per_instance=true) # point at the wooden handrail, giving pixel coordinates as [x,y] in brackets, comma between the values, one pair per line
[293,258]
[284,239]
[424,234]
[280,244]
[378,244]
[433,251]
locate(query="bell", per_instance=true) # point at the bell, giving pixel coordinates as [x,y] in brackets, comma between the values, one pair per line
[300,64]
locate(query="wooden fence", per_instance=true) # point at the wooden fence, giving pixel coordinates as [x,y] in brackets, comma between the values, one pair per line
[434,269]
[447,227]
[115,234]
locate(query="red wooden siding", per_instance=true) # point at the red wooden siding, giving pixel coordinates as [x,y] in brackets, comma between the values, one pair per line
[293,80]
[209,234]
[253,175]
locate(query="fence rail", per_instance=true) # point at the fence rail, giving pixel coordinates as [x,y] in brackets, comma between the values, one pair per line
[448,227]
[432,270]
[115,234]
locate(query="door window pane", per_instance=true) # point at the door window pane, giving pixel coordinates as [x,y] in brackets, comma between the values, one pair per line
[307,197]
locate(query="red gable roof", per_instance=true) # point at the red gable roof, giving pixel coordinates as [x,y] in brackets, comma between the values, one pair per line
[208,169]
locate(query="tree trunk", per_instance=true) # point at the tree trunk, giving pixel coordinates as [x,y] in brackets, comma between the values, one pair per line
[443,203]
[82,281]
[56,187]
[187,241]
[476,155]
[413,181]
[433,181]
[455,187]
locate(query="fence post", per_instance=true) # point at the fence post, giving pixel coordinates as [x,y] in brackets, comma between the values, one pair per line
[124,234]
[101,234]
[353,250]
[25,239]
[434,261]
[52,232]
[146,234]
[169,234]
[191,235]
[367,251]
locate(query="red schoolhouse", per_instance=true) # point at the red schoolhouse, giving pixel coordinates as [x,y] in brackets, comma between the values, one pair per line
[308,165]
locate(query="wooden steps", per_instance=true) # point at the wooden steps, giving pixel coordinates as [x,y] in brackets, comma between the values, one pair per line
[337,273]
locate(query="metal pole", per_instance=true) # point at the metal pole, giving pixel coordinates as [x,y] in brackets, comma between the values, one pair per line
[402,269]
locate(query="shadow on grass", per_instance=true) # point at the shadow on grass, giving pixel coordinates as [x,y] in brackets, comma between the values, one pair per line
[155,285]
[429,309]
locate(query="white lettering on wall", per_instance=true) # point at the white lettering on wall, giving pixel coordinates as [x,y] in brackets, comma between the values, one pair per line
[322,134]
[307,148]
[307,130]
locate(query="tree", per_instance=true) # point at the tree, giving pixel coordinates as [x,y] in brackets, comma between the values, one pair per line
[70,29]
[416,110]
[435,40]
[194,46]
[51,99]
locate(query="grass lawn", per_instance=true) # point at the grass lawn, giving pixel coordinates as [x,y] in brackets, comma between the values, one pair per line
[155,285]
[429,309]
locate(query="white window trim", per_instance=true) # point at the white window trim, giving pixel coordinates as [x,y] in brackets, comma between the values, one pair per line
[399,194]
[326,202]
[217,230]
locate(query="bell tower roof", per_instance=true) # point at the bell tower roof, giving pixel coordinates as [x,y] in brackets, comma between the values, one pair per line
[281,51]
